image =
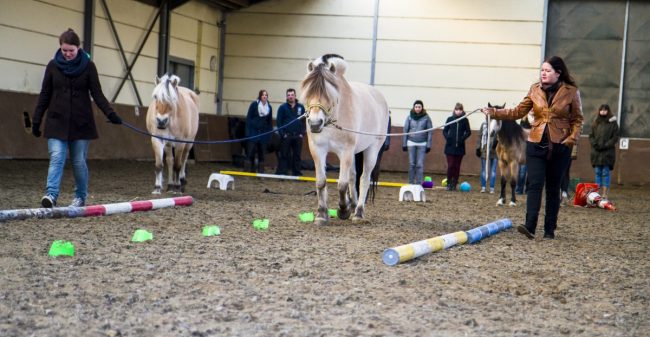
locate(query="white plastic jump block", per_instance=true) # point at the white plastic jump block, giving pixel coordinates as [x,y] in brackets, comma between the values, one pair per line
[412,193]
[223,180]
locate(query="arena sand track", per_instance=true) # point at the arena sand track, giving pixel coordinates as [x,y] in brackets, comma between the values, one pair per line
[298,279]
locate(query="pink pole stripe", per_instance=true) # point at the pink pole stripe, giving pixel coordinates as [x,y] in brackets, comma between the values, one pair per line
[96,210]
[141,206]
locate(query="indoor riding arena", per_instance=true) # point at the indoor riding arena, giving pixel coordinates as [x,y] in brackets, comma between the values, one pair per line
[248,254]
[298,279]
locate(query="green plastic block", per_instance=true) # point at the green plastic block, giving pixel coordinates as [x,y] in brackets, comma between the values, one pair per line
[141,235]
[61,248]
[211,230]
[261,224]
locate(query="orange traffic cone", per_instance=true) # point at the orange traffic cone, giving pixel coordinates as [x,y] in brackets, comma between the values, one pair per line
[587,195]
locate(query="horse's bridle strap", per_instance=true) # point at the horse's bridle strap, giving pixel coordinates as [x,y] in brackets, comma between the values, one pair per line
[327,111]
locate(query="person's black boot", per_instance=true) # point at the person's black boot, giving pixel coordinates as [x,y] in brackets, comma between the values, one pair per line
[549,236]
[525,231]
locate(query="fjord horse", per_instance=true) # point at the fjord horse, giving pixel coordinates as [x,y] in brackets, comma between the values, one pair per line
[173,113]
[511,153]
[333,102]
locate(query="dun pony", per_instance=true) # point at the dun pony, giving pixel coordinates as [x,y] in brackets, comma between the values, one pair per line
[173,113]
[333,101]
[511,153]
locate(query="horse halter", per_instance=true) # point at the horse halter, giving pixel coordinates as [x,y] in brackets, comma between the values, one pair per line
[326,111]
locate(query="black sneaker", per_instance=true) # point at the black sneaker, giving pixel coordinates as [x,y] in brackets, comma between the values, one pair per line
[48,201]
[523,230]
[549,236]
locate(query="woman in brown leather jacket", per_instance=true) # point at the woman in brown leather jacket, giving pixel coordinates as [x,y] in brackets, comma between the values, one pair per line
[557,111]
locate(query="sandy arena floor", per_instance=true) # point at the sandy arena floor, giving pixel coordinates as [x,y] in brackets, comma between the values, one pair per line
[299,279]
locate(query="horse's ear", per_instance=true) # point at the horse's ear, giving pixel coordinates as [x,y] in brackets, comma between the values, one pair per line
[310,67]
[332,67]
[174,81]
[156,80]
[504,105]
[489,105]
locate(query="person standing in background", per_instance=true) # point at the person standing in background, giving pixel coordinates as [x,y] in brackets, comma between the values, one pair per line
[481,152]
[291,136]
[455,135]
[70,80]
[417,144]
[259,120]
[603,139]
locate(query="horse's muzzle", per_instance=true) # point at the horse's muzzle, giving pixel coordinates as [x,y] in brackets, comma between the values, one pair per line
[316,126]
[161,123]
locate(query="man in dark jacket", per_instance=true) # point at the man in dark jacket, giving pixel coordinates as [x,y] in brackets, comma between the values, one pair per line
[455,135]
[292,136]
[69,79]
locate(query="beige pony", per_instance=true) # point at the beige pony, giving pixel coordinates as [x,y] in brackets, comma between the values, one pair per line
[332,100]
[173,113]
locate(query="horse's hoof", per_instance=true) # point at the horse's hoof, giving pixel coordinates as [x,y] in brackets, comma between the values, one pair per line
[320,221]
[156,191]
[344,214]
[500,202]
[512,204]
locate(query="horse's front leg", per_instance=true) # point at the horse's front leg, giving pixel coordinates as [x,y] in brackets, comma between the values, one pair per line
[319,156]
[178,166]
[158,150]
[344,183]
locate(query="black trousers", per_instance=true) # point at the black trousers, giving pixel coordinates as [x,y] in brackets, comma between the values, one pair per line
[256,148]
[290,149]
[545,168]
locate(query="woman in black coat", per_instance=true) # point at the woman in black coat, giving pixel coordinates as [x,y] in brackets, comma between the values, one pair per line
[69,81]
[455,136]
[603,139]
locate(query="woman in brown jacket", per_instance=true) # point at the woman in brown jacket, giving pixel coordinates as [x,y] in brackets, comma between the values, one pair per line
[557,111]
[69,81]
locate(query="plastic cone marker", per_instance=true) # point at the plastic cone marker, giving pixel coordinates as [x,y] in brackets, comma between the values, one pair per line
[306,217]
[261,224]
[61,248]
[141,235]
[211,230]
[333,213]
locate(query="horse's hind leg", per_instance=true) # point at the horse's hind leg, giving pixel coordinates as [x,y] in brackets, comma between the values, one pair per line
[370,157]
[502,194]
[183,171]
[514,176]
[169,161]
[344,210]
[158,150]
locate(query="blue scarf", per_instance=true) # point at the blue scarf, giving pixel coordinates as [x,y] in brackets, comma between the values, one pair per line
[74,67]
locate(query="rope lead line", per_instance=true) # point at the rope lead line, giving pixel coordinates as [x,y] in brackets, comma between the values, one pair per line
[210,141]
[333,123]
[406,133]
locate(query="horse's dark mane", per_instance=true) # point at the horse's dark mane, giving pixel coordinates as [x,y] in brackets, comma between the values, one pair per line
[326,57]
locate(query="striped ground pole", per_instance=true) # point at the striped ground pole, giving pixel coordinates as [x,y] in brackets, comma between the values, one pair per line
[298,178]
[95,210]
[396,255]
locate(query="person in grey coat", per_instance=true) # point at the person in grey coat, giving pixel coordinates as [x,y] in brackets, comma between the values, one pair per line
[417,144]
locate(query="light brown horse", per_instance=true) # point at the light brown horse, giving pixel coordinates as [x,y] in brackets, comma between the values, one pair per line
[173,113]
[510,152]
[333,101]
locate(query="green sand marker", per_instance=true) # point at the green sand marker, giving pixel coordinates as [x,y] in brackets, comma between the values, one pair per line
[261,224]
[142,235]
[61,248]
[427,178]
[211,230]
[333,213]
[306,217]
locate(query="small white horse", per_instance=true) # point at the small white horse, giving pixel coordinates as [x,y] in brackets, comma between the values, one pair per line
[332,100]
[173,113]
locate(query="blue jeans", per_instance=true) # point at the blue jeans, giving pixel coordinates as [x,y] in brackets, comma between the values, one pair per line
[521,182]
[493,172]
[416,164]
[58,150]
[602,176]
